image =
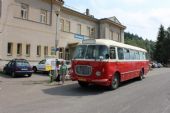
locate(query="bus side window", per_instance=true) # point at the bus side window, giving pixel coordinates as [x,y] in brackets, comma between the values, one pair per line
[120,53]
[112,53]
[127,54]
[137,55]
[132,55]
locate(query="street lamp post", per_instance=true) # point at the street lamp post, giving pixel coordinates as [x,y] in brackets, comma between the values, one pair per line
[57,9]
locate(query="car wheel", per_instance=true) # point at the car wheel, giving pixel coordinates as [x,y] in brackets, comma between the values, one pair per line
[34,69]
[29,75]
[115,82]
[13,74]
[4,71]
[83,84]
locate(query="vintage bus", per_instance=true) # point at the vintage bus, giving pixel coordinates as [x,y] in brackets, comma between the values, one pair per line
[108,63]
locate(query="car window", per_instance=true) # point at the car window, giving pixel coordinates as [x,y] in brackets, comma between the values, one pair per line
[22,63]
[42,62]
[9,64]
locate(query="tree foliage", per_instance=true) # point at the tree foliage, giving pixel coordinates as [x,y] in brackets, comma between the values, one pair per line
[162,51]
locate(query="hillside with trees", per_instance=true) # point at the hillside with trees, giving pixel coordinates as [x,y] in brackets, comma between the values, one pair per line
[135,40]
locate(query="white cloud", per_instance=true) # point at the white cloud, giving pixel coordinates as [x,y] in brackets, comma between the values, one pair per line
[133,2]
[143,23]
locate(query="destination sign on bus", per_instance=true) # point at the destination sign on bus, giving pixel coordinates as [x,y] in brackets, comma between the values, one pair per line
[89,41]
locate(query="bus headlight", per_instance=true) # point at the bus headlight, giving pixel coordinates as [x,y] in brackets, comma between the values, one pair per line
[98,73]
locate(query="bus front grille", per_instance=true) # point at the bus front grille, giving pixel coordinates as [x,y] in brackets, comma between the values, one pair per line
[83,70]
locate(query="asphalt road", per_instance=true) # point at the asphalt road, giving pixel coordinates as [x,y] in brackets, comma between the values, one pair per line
[36,95]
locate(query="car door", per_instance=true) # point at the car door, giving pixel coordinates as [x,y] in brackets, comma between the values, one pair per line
[7,68]
[11,66]
[41,65]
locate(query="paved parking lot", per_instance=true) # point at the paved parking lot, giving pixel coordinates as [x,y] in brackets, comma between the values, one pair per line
[37,95]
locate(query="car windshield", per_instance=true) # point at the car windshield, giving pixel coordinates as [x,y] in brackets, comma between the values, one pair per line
[91,52]
[22,63]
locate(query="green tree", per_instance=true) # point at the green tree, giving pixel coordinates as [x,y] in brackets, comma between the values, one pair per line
[166,46]
[159,51]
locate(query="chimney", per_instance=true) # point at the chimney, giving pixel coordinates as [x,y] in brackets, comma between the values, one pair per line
[87,12]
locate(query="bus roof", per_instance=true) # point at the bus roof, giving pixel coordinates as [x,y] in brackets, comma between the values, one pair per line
[111,42]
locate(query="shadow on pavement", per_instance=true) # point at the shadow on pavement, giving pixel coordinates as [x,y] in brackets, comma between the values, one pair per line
[75,90]
[9,77]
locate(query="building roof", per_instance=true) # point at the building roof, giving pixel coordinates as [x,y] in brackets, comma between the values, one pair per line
[112,20]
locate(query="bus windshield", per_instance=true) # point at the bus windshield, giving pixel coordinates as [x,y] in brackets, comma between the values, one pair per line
[91,52]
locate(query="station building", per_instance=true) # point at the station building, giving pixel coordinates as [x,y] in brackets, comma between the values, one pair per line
[36,29]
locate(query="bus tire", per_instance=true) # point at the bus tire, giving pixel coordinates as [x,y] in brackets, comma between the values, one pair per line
[83,84]
[141,75]
[115,82]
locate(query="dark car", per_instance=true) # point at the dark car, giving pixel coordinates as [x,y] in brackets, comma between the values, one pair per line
[18,67]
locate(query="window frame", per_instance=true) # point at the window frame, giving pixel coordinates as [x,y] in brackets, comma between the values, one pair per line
[43,16]
[114,52]
[24,11]
[45,50]
[28,50]
[38,50]
[19,49]
[79,29]
[9,50]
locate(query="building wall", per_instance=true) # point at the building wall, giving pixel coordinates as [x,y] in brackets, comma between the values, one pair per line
[112,32]
[68,38]
[16,30]
[29,31]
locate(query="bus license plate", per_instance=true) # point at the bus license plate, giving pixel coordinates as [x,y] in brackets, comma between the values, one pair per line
[81,79]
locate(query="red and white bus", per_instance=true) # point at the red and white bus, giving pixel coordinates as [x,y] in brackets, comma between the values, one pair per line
[106,62]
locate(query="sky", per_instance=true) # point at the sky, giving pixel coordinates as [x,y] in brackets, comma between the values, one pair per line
[141,17]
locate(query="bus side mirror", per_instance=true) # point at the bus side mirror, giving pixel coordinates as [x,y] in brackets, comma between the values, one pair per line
[107,56]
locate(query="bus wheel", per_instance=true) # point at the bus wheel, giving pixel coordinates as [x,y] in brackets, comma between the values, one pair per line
[83,84]
[141,75]
[115,82]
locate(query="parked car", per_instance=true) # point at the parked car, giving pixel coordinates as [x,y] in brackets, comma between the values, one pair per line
[46,65]
[18,67]
[154,65]
[159,65]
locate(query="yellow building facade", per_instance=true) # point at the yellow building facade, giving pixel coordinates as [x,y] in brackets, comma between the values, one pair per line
[36,29]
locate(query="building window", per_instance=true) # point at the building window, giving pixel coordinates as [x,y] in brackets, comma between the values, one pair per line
[88,31]
[78,28]
[43,16]
[93,32]
[10,48]
[19,49]
[67,54]
[24,11]
[62,25]
[28,49]
[53,51]
[61,51]
[45,51]
[67,26]
[38,50]
[111,35]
